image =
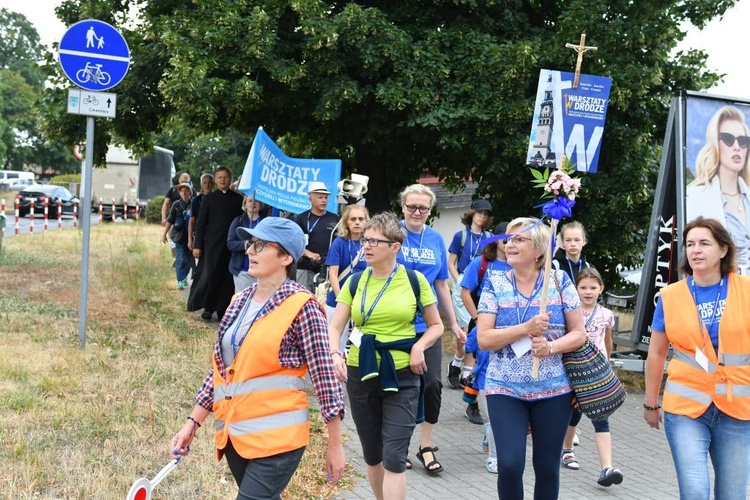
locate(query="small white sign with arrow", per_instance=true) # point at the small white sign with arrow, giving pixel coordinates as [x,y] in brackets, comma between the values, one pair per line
[84,102]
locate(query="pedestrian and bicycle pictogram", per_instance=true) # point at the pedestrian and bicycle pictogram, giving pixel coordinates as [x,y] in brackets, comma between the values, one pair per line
[94,55]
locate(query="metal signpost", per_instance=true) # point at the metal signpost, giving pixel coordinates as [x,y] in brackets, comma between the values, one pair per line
[94,56]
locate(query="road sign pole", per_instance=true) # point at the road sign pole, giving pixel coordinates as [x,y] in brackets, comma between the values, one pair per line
[86,224]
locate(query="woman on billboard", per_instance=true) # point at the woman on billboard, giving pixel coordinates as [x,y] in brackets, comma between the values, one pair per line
[720,188]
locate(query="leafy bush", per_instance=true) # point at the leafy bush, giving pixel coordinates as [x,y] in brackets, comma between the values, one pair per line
[153,210]
[70,181]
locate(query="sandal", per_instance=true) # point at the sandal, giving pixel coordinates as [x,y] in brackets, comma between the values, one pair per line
[428,466]
[569,460]
[491,465]
[409,465]
[610,476]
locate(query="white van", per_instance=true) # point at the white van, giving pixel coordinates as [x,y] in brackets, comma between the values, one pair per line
[10,177]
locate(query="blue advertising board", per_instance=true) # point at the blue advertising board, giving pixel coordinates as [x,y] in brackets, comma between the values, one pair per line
[568,121]
[282,182]
[94,55]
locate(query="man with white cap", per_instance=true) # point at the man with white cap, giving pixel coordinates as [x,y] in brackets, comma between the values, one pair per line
[318,224]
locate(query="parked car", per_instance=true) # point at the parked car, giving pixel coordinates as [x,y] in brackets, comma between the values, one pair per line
[20,185]
[38,193]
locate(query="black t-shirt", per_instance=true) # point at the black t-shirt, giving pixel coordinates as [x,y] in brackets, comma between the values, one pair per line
[318,229]
[172,194]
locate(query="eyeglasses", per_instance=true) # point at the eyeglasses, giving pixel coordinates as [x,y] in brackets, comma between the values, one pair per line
[259,245]
[516,240]
[414,208]
[373,242]
[742,140]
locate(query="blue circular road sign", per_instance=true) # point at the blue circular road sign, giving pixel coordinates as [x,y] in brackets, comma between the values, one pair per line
[94,55]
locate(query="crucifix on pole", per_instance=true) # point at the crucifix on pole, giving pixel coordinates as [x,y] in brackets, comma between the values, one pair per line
[580,48]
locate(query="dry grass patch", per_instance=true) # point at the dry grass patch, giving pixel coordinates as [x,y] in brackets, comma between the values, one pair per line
[86,424]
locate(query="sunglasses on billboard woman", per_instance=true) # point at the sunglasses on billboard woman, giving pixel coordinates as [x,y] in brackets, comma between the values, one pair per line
[742,140]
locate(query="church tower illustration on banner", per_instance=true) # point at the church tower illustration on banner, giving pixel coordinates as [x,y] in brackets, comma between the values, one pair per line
[542,156]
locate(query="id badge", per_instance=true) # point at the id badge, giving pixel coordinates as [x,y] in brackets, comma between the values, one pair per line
[355,337]
[701,359]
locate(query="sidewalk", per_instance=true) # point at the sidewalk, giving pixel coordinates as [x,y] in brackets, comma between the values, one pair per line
[641,453]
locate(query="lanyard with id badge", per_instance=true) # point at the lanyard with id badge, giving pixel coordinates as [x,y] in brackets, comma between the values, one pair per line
[355,337]
[700,351]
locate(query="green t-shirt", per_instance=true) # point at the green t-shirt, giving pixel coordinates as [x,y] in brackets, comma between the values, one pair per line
[391,319]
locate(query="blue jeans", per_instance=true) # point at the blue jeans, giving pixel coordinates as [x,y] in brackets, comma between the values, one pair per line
[510,418]
[183,257]
[725,439]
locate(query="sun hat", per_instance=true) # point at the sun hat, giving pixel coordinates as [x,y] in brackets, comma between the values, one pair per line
[285,232]
[482,204]
[317,187]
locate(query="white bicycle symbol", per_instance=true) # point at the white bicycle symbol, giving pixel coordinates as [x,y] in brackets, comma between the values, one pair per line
[94,73]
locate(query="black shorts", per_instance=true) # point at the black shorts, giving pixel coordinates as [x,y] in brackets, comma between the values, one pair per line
[385,420]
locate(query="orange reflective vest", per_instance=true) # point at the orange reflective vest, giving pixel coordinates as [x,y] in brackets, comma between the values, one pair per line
[690,389]
[261,405]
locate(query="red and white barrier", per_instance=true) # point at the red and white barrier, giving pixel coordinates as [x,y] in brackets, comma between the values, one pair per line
[101,215]
[114,210]
[75,214]
[46,212]
[137,209]
[31,217]
[2,210]
[16,204]
[125,208]
[59,214]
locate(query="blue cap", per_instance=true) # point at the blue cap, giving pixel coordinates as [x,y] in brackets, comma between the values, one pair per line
[285,232]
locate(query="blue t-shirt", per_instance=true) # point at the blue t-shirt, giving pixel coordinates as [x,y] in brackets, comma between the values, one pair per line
[706,298]
[470,250]
[509,375]
[470,280]
[425,252]
[342,254]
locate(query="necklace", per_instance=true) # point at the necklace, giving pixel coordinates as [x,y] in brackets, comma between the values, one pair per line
[738,202]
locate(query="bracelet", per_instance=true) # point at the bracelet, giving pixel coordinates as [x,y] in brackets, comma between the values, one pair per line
[551,350]
[651,408]
[189,417]
[336,352]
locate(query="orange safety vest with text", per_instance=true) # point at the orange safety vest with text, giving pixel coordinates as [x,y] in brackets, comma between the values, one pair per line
[262,406]
[690,388]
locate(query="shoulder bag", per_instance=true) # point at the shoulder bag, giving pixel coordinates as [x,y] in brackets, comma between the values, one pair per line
[598,390]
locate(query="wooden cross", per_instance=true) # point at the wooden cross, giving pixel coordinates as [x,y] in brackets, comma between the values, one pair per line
[580,48]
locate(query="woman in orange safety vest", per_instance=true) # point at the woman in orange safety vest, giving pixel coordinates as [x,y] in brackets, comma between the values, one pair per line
[271,334]
[706,318]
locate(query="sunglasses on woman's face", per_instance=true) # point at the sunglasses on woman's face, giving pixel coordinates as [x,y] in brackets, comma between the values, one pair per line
[742,140]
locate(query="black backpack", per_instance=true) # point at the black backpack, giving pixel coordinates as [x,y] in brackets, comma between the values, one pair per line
[413,281]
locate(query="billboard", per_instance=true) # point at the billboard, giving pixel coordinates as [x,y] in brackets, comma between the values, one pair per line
[703,172]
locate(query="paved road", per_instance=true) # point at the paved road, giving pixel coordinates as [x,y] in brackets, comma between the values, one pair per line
[641,453]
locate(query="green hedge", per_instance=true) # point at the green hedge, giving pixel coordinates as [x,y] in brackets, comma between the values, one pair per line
[153,210]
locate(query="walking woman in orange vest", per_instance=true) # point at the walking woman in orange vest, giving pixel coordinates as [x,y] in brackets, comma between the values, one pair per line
[706,317]
[271,334]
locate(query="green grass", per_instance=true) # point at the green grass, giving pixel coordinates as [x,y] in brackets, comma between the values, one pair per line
[82,424]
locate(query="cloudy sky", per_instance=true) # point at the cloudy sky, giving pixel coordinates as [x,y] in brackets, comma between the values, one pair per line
[726,40]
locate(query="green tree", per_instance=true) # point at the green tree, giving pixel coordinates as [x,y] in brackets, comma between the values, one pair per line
[22,79]
[396,88]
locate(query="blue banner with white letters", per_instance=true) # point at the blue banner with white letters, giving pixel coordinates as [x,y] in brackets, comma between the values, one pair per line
[282,182]
[568,121]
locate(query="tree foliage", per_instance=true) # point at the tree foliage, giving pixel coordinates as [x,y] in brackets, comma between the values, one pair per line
[22,81]
[396,88]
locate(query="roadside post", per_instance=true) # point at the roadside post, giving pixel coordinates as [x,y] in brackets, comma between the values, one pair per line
[95,57]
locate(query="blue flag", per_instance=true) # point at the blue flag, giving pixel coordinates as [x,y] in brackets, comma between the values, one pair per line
[282,182]
[568,122]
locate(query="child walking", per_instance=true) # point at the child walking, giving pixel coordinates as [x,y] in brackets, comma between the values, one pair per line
[599,322]
[569,257]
